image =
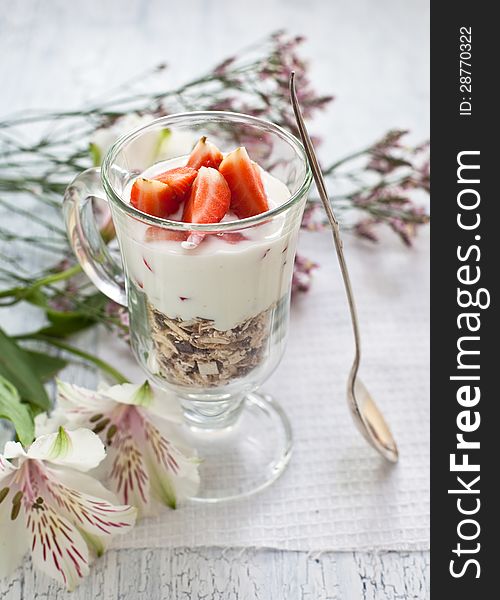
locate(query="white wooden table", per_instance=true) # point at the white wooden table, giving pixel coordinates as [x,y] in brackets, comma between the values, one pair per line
[374,57]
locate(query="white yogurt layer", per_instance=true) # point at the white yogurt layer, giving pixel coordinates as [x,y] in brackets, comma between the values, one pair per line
[218,280]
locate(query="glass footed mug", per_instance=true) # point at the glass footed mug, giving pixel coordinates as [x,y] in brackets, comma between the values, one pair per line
[207,323]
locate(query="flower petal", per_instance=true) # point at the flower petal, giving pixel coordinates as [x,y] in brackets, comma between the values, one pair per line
[82,482]
[173,475]
[104,137]
[131,393]
[45,424]
[6,470]
[14,450]
[14,543]
[162,403]
[92,487]
[128,475]
[79,449]
[76,400]
[93,514]
[166,406]
[95,543]
[57,547]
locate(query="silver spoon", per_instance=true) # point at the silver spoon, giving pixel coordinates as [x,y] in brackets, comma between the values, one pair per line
[366,415]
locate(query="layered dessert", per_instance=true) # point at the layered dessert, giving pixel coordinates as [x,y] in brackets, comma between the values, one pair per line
[212,298]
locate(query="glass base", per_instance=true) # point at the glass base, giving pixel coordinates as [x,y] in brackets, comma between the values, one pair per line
[246,456]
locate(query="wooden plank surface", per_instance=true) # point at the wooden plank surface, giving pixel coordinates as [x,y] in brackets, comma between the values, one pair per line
[230,574]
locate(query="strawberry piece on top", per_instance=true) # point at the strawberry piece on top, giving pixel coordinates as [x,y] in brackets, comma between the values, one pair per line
[151,196]
[180,180]
[248,197]
[209,199]
[205,154]
[162,195]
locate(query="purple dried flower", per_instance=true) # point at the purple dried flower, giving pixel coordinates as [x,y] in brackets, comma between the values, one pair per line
[63,265]
[119,314]
[365,230]
[61,303]
[386,164]
[302,274]
[390,140]
[382,157]
[312,219]
[221,68]
[228,104]
[404,229]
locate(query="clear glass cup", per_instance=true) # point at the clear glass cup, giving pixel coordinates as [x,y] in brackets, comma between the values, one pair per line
[207,323]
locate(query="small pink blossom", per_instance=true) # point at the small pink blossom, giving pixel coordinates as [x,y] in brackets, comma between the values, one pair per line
[302,274]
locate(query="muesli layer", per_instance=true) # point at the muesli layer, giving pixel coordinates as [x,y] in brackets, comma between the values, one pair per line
[194,353]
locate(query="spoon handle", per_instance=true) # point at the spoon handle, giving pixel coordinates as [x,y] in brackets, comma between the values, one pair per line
[323,194]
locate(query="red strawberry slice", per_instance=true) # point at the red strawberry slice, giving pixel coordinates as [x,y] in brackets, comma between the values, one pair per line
[180,180]
[162,195]
[205,154]
[158,234]
[209,199]
[151,196]
[248,197]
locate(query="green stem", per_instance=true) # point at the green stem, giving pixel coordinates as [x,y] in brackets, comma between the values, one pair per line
[328,170]
[61,276]
[101,364]
[48,280]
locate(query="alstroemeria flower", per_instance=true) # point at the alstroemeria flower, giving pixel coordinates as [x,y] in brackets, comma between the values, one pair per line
[147,463]
[103,138]
[153,146]
[52,508]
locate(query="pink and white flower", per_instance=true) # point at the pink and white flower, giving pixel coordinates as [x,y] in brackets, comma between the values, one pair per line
[148,464]
[50,507]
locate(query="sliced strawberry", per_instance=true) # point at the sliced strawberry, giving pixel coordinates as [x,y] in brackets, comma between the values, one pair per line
[209,199]
[162,195]
[205,154]
[180,181]
[158,234]
[248,197]
[151,197]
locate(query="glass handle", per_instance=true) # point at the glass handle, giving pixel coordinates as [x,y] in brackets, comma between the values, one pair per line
[85,238]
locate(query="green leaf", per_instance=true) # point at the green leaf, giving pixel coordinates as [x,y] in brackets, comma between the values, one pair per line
[16,366]
[14,410]
[45,366]
[65,323]
[35,296]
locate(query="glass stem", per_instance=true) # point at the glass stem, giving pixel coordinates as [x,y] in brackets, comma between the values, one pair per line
[214,414]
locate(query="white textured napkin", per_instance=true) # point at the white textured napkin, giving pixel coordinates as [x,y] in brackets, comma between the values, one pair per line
[337,494]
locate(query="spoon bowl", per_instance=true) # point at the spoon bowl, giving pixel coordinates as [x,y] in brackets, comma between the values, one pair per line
[369,420]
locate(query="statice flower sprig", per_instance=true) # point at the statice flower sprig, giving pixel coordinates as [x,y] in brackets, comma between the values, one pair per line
[377,187]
